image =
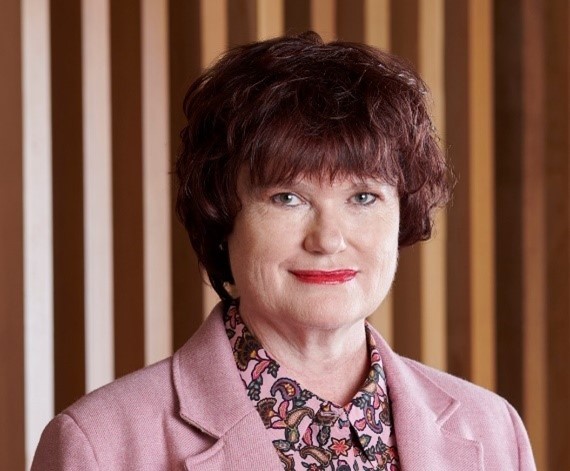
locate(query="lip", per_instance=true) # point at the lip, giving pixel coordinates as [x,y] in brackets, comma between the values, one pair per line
[325,277]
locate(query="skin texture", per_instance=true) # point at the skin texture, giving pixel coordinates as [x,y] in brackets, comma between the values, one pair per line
[315,328]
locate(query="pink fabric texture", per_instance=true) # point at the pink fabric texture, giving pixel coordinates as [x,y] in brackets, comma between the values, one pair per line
[191,412]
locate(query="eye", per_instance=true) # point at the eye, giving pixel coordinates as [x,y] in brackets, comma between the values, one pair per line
[286,199]
[364,198]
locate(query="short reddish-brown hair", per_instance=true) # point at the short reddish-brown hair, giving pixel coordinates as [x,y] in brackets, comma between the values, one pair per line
[295,106]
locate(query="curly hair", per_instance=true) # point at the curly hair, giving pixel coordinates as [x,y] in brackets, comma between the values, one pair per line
[295,106]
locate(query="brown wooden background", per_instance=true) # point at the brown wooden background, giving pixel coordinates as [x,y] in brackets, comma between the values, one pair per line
[97,278]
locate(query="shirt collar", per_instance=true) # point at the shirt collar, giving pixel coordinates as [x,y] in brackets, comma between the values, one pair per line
[274,394]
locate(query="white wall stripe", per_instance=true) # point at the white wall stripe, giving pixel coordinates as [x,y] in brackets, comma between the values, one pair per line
[38,230]
[98,216]
[156,181]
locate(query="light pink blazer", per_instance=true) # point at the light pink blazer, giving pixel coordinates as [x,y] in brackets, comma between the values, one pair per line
[191,412]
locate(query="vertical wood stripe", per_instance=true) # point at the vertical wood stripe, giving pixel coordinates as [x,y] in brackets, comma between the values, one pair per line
[214,36]
[350,20]
[557,180]
[270,18]
[509,204]
[214,41]
[323,18]
[185,65]
[12,408]
[297,16]
[97,183]
[535,376]
[481,164]
[377,33]
[404,18]
[68,234]
[459,224]
[156,181]
[127,186]
[97,276]
[38,234]
[244,30]
[433,276]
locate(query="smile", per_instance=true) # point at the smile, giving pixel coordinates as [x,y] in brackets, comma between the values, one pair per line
[321,277]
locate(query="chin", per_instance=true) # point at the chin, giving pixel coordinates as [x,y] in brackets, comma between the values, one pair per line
[331,315]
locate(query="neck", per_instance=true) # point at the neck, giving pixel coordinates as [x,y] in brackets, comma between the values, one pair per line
[332,363]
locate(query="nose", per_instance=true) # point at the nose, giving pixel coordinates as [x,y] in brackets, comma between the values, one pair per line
[324,235]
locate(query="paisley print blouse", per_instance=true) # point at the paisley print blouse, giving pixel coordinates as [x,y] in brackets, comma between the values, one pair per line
[310,433]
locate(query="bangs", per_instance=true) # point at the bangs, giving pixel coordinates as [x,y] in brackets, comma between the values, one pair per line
[287,150]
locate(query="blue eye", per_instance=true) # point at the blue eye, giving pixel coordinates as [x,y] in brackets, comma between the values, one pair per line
[286,199]
[364,198]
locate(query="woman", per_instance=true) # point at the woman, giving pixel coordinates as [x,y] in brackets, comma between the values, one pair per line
[304,167]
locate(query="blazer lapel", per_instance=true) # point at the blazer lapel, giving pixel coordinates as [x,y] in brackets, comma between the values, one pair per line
[244,447]
[212,399]
[420,410]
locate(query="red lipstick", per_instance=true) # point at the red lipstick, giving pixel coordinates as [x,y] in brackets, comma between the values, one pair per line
[323,277]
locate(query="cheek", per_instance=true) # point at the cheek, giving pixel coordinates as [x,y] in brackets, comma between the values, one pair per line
[252,253]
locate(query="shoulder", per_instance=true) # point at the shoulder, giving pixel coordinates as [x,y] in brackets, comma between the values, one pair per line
[473,400]
[141,393]
[132,423]
[457,387]
[481,415]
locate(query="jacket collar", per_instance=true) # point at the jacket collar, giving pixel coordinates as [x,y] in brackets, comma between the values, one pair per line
[211,398]
[421,410]
[207,382]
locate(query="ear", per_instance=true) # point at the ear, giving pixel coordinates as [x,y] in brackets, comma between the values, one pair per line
[231,289]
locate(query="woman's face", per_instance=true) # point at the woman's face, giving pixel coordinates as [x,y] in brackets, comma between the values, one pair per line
[314,253]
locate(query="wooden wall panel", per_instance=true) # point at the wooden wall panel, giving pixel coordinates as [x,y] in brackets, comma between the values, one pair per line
[520,218]
[297,16]
[270,18]
[470,250]
[157,206]
[98,194]
[323,18]
[481,171]
[67,168]
[377,29]
[377,32]
[213,41]
[12,409]
[213,30]
[350,20]
[419,289]
[459,223]
[404,28]
[128,256]
[509,180]
[535,375]
[520,214]
[185,64]
[557,181]
[431,64]
[245,30]
[38,220]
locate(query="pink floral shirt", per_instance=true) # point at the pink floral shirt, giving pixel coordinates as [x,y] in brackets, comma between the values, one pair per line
[307,431]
